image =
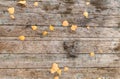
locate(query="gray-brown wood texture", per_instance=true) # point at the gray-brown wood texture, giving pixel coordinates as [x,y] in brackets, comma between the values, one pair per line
[32,58]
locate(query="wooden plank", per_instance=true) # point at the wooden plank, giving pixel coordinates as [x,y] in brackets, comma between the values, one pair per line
[84,73]
[45,60]
[41,17]
[47,19]
[63,32]
[53,46]
[53,6]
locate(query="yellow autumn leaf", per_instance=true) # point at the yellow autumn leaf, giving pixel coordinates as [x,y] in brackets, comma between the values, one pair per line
[88,27]
[11,10]
[65,23]
[87,3]
[22,38]
[92,54]
[56,77]
[52,71]
[54,68]
[34,27]
[73,27]
[99,78]
[23,2]
[59,71]
[36,4]
[66,68]
[12,16]
[51,28]
[44,33]
[85,14]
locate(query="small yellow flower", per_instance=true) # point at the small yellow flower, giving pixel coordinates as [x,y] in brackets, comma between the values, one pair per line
[66,68]
[92,54]
[22,38]
[51,28]
[11,10]
[34,27]
[65,23]
[56,77]
[73,27]
[23,2]
[36,4]
[85,14]
[44,33]
[59,71]
[12,16]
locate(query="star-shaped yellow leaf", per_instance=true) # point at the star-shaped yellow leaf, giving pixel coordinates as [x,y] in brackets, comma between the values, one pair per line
[34,27]
[92,54]
[12,16]
[73,27]
[88,27]
[59,71]
[22,38]
[36,4]
[11,10]
[51,28]
[54,68]
[44,33]
[87,3]
[66,68]
[65,23]
[56,77]
[85,14]
[23,2]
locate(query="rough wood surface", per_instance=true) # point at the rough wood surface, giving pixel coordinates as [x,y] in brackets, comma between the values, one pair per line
[54,46]
[63,32]
[84,73]
[46,60]
[54,12]
[32,58]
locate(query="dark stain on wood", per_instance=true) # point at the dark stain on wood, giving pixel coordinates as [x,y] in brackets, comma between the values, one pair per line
[101,4]
[71,48]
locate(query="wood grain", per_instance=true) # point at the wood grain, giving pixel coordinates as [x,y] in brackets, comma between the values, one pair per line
[54,46]
[84,73]
[45,60]
[63,32]
[40,16]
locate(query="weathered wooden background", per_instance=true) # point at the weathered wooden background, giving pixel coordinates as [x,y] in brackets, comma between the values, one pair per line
[32,58]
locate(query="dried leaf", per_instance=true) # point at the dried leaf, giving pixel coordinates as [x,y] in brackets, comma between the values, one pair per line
[23,2]
[59,71]
[54,68]
[12,16]
[36,4]
[66,68]
[51,28]
[88,27]
[99,78]
[56,77]
[73,27]
[22,38]
[65,23]
[34,27]
[85,14]
[87,3]
[11,10]
[92,54]
[44,33]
